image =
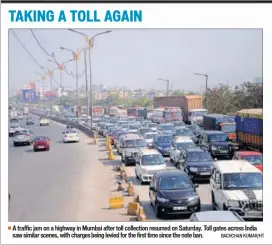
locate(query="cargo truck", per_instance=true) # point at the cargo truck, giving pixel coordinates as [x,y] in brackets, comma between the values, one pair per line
[191,106]
[250,128]
[137,112]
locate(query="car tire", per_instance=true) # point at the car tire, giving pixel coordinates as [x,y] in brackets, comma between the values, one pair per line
[34,150]
[48,149]
[158,212]
[213,202]
[122,158]
[171,160]
[15,145]
[136,175]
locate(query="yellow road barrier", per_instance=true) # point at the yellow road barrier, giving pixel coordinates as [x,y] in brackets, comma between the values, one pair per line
[141,215]
[136,199]
[130,189]
[116,202]
[133,208]
[111,155]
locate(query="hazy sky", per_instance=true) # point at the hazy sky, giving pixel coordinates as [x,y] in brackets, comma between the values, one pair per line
[136,58]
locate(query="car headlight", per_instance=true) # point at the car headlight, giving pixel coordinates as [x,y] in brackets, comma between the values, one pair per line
[233,203]
[161,199]
[160,148]
[193,198]
[213,148]
[193,169]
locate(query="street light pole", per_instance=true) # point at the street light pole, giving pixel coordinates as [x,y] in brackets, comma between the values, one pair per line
[51,97]
[91,87]
[77,92]
[167,85]
[86,78]
[206,79]
[61,92]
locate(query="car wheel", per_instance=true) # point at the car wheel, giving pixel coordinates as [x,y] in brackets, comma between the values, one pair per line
[137,177]
[15,145]
[171,160]
[158,211]
[213,202]
[34,150]
[122,159]
[48,149]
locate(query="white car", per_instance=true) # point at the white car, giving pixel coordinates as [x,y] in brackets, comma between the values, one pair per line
[149,138]
[13,128]
[44,121]
[237,185]
[180,142]
[71,135]
[148,162]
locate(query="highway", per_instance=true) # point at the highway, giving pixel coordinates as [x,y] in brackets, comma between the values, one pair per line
[68,183]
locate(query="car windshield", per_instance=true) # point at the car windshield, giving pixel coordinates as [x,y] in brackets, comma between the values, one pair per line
[21,134]
[125,126]
[14,126]
[257,159]
[145,130]
[198,157]
[133,127]
[184,132]
[228,128]
[164,139]
[193,127]
[134,143]
[185,145]
[217,138]
[243,181]
[174,183]
[179,124]
[198,113]
[167,127]
[152,125]
[150,136]
[71,132]
[40,138]
[154,159]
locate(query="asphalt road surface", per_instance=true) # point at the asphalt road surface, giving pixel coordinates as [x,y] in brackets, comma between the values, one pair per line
[67,183]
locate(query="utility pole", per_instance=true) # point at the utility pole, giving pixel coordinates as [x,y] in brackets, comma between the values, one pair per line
[86,80]
[51,97]
[91,87]
[167,85]
[206,83]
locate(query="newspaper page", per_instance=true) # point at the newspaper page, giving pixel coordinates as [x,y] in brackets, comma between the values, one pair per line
[134,123]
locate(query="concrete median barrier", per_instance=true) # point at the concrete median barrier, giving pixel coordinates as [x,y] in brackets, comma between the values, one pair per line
[141,215]
[116,202]
[130,189]
[133,208]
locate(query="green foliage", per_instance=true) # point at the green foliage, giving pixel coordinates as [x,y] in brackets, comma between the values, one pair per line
[223,99]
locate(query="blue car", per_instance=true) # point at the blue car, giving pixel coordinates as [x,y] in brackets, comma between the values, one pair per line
[166,128]
[163,143]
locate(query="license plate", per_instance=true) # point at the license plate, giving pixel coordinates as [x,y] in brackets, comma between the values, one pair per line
[41,147]
[180,208]
[254,213]
[205,173]
[224,151]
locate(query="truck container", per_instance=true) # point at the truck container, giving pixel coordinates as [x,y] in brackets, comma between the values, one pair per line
[137,112]
[224,123]
[250,128]
[191,106]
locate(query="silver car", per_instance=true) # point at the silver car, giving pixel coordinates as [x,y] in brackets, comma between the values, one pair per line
[22,138]
[216,216]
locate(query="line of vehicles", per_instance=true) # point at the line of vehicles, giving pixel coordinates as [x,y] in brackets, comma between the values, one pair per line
[199,153]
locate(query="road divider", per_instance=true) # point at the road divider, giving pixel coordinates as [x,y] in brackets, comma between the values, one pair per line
[130,189]
[116,202]
[133,208]
[141,215]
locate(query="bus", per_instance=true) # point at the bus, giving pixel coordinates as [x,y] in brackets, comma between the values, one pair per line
[166,114]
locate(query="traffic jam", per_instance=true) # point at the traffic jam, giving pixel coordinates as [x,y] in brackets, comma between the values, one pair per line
[174,149]
[224,151]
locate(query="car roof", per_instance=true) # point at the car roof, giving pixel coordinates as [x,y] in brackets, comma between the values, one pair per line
[132,136]
[182,127]
[210,132]
[180,139]
[235,166]
[190,150]
[164,124]
[217,216]
[147,151]
[249,153]
[170,172]
[148,133]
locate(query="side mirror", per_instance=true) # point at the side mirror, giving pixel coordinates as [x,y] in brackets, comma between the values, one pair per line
[196,185]
[217,186]
[152,188]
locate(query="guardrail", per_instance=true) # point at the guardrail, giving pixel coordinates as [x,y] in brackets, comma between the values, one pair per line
[80,127]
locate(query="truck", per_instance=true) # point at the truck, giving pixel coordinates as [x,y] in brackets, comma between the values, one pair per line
[25,110]
[13,115]
[250,128]
[137,112]
[220,122]
[191,106]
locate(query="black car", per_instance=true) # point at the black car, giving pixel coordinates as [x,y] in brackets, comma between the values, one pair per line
[184,131]
[29,121]
[196,162]
[217,143]
[172,192]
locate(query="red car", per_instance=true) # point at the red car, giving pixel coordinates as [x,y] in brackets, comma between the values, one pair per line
[255,158]
[41,143]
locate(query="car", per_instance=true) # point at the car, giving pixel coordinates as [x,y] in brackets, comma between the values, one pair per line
[184,131]
[70,135]
[149,138]
[105,129]
[148,162]
[69,127]
[133,128]
[179,124]
[24,131]
[173,192]
[13,128]
[217,143]
[130,144]
[196,129]
[153,126]
[144,130]
[20,116]
[13,120]
[163,143]
[44,121]
[255,158]
[41,143]
[21,139]
[166,128]
[216,216]
[236,185]
[29,121]
[197,163]
[179,143]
